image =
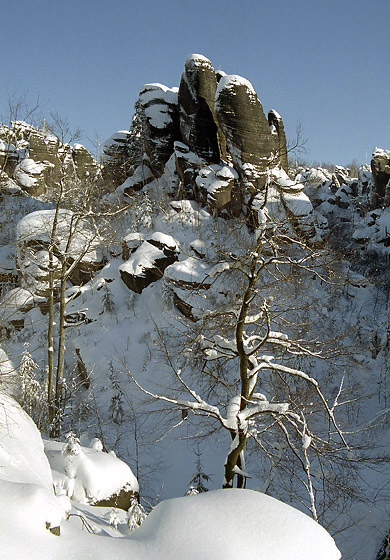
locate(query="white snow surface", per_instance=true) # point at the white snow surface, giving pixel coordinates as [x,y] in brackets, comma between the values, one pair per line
[219,525]
[189,270]
[380,152]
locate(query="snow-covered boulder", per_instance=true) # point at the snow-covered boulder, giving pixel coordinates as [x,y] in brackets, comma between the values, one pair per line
[191,273]
[148,263]
[32,176]
[89,475]
[75,242]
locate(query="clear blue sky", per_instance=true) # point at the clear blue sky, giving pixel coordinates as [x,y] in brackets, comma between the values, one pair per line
[325,63]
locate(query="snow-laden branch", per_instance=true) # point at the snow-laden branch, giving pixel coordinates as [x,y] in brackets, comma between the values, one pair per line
[266,363]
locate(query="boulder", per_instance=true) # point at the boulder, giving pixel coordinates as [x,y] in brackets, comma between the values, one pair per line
[190,273]
[380,166]
[248,134]
[33,240]
[121,499]
[160,118]
[198,125]
[32,177]
[184,307]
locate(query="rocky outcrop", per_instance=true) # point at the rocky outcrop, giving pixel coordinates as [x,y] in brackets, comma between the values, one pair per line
[198,125]
[160,120]
[380,166]
[219,188]
[279,136]
[121,499]
[117,160]
[37,161]
[248,135]
[86,166]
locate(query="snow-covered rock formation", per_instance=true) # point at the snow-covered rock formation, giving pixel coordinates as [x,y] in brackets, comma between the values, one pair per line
[215,126]
[36,161]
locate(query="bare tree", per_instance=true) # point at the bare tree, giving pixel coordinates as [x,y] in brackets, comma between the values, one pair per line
[61,127]
[245,354]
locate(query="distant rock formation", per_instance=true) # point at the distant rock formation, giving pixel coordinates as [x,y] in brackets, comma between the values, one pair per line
[380,167]
[212,119]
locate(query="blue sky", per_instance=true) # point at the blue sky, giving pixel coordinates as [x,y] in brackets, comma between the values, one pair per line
[324,63]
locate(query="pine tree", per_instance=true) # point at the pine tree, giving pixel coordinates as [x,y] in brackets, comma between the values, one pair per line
[197,483]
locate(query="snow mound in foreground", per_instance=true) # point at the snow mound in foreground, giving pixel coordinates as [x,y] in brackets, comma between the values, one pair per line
[27,500]
[219,525]
[231,524]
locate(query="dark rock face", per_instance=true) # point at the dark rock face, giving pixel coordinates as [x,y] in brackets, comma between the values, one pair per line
[121,499]
[277,130]
[160,123]
[248,134]
[116,159]
[380,166]
[85,164]
[198,125]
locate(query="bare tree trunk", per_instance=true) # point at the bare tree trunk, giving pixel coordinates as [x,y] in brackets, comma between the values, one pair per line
[50,329]
[233,460]
[61,351]
[50,343]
